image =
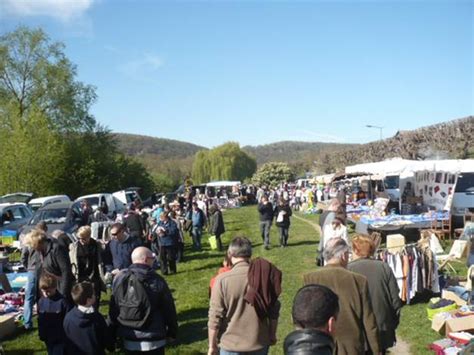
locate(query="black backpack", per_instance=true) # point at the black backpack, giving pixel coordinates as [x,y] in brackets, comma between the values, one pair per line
[133,302]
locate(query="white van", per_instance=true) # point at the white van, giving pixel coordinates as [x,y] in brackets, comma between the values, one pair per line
[127,197]
[39,202]
[463,197]
[114,205]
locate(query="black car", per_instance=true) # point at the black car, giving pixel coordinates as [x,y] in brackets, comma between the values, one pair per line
[65,216]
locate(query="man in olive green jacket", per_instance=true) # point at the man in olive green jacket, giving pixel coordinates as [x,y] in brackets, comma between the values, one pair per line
[356,329]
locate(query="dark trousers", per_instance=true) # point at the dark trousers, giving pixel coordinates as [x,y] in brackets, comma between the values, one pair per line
[265,232]
[180,252]
[219,242]
[56,349]
[284,233]
[168,256]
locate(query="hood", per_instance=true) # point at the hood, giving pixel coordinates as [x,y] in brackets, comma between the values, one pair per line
[308,341]
[143,272]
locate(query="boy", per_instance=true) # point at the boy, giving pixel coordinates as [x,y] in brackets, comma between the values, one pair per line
[85,328]
[52,308]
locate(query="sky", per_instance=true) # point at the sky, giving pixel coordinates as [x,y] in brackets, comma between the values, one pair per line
[258,72]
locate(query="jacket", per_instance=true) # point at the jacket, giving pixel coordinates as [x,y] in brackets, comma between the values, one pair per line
[86,333]
[51,313]
[383,290]
[56,262]
[265,211]
[198,218]
[356,321]
[308,342]
[30,259]
[97,273]
[171,236]
[118,255]
[216,223]
[134,223]
[163,320]
[264,287]
[285,223]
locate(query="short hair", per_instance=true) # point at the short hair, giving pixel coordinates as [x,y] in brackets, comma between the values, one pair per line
[57,233]
[313,306]
[363,246]
[81,292]
[335,248]
[41,225]
[240,247]
[47,281]
[118,226]
[84,231]
[35,238]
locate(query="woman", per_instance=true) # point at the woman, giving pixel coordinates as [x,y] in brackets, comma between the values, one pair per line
[383,289]
[326,218]
[282,215]
[335,229]
[216,224]
[86,261]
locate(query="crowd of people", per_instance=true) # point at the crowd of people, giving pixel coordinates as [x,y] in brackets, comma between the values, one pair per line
[343,308]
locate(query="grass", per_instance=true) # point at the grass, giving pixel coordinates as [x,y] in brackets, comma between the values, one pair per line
[190,288]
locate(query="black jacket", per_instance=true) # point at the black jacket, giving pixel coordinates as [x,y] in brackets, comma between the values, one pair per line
[286,218]
[265,211]
[308,342]
[56,262]
[216,223]
[86,333]
[134,223]
[51,313]
[162,322]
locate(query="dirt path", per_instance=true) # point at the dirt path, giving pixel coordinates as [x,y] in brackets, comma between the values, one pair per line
[402,347]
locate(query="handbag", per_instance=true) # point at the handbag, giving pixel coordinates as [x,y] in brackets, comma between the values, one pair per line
[213,242]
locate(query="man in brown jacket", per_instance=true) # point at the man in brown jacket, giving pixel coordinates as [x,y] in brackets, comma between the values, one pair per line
[356,328]
[232,317]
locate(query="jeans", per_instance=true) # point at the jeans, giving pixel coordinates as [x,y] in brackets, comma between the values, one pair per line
[30,299]
[56,349]
[265,232]
[263,351]
[284,233]
[197,234]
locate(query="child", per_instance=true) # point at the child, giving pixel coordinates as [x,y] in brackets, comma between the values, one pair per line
[52,308]
[85,328]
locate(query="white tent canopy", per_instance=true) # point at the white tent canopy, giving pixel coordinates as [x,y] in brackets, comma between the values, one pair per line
[223,183]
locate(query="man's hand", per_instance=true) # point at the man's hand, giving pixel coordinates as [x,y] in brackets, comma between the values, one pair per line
[213,351]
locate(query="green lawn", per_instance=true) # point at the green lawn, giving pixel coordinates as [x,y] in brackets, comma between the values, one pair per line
[190,288]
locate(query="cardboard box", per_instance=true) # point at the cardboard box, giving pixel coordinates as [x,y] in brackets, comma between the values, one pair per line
[449,295]
[444,327]
[7,325]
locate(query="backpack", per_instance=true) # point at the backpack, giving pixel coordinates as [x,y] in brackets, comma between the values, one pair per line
[133,302]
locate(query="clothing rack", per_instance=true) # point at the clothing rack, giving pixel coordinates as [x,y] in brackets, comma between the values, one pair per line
[397,247]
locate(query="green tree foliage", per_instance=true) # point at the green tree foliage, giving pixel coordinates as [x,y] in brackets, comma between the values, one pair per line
[225,162]
[272,174]
[49,141]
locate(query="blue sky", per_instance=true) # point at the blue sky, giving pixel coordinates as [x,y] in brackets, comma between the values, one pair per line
[257,72]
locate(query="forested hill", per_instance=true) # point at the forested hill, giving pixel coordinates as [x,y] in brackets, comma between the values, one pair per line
[137,145]
[291,151]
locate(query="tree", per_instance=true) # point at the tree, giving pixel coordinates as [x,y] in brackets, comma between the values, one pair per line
[225,162]
[35,74]
[273,174]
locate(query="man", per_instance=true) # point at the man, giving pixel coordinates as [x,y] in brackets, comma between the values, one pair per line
[198,221]
[134,223]
[315,310]
[355,325]
[265,209]
[159,324]
[167,232]
[232,316]
[119,249]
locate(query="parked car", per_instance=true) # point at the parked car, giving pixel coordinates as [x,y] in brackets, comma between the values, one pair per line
[111,203]
[39,202]
[23,197]
[127,197]
[65,216]
[463,198]
[13,216]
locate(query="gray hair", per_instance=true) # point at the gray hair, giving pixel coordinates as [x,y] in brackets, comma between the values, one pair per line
[240,247]
[335,249]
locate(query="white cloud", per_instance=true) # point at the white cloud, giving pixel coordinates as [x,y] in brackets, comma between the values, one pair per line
[143,68]
[63,10]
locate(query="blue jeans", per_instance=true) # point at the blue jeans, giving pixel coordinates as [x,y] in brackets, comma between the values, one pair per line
[263,351]
[197,234]
[265,232]
[30,299]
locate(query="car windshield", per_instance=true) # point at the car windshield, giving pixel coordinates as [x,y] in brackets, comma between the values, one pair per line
[465,183]
[35,206]
[391,182]
[56,216]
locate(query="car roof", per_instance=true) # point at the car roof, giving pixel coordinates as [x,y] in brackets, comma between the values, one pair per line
[56,206]
[92,195]
[46,198]
[11,204]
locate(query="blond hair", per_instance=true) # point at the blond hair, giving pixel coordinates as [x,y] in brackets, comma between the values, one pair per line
[84,231]
[363,246]
[35,238]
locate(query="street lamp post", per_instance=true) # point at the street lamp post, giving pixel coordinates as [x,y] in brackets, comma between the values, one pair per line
[378,127]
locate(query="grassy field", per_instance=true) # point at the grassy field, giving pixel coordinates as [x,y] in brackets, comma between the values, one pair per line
[190,288]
